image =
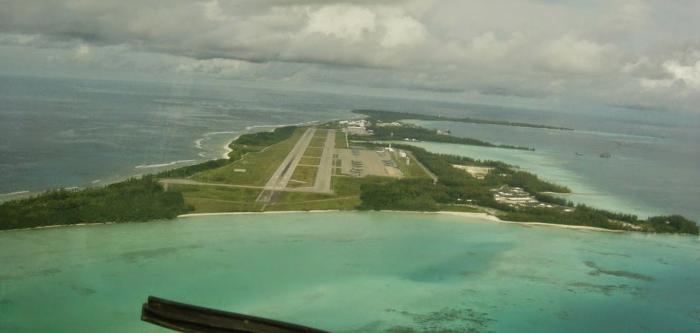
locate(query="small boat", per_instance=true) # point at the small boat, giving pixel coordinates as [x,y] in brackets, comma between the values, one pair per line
[579,154]
[605,155]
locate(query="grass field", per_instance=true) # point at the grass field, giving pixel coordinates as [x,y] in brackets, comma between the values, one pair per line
[313,152]
[259,166]
[318,142]
[310,160]
[413,170]
[340,140]
[347,199]
[215,199]
[303,176]
[459,208]
[212,199]
[337,203]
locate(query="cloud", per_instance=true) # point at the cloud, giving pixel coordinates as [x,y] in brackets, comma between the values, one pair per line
[350,23]
[572,55]
[689,75]
[82,52]
[601,51]
[213,11]
[402,30]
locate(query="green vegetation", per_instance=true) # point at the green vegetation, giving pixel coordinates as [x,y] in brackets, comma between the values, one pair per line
[143,199]
[258,164]
[423,134]
[254,157]
[413,170]
[303,176]
[673,224]
[244,144]
[310,161]
[391,116]
[313,152]
[288,201]
[455,187]
[265,139]
[584,215]
[459,208]
[131,200]
[318,142]
[340,140]
[214,199]
[404,194]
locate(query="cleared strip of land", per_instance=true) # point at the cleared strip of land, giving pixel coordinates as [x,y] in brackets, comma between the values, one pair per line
[325,167]
[254,168]
[284,172]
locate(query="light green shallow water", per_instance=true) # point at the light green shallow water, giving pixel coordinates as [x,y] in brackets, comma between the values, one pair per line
[360,272]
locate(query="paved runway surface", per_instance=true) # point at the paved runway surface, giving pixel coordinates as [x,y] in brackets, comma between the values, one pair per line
[284,172]
[325,167]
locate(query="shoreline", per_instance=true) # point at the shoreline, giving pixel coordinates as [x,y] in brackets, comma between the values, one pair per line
[227,147]
[483,216]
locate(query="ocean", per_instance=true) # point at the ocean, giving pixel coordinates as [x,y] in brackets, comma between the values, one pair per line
[352,272]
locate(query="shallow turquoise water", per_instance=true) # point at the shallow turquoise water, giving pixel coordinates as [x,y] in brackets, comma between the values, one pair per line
[362,272]
[552,169]
[650,172]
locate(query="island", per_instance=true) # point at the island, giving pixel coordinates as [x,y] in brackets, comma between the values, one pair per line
[392,116]
[357,164]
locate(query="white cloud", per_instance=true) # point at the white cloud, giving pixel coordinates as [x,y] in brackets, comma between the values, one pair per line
[632,14]
[82,53]
[344,22]
[402,31]
[652,84]
[213,11]
[572,55]
[488,46]
[690,75]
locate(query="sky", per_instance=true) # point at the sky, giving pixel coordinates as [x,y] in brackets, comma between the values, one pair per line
[634,54]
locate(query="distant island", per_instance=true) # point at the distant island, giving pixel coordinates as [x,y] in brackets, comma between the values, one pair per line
[365,164]
[391,116]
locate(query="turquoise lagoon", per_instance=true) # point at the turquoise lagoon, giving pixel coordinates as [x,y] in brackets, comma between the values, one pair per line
[353,272]
[653,169]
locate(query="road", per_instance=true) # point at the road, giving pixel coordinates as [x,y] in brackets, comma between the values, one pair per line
[427,171]
[284,172]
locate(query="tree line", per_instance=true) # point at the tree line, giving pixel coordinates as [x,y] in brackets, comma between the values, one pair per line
[135,199]
[455,186]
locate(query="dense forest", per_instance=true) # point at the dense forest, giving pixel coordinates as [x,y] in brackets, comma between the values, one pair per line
[132,200]
[390,116]
[424,134]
